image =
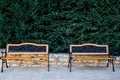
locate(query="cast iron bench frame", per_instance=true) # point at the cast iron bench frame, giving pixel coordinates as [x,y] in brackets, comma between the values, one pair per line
[35,51]
[90,51]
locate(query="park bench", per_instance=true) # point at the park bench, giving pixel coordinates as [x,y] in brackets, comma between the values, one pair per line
[88,51]
[26,52]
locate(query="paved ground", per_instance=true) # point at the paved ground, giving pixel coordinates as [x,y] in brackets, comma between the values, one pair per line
[60,73]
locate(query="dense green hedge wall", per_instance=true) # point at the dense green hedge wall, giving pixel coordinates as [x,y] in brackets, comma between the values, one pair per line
[60,23]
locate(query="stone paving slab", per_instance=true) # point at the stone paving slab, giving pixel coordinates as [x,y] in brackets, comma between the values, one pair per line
[61,73]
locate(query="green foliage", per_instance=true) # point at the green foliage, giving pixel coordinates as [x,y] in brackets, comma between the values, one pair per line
[60,23]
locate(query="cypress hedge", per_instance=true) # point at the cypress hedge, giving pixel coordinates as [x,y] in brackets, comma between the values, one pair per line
[60,23]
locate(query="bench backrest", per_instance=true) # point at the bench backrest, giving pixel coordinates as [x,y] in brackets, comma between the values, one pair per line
[89,49]
[27,48]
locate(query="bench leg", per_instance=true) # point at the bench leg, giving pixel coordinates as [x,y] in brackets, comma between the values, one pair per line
[48,66]
[108,63]
[48,63]
[113,65]
[2,66]
[69,60]
[6,64]
[111,61]
[70,64]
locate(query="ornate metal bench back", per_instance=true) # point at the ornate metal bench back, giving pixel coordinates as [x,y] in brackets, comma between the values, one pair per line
[89,49]
[27,48]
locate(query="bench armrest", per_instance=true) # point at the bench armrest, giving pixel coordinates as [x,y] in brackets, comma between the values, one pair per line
[3,53]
